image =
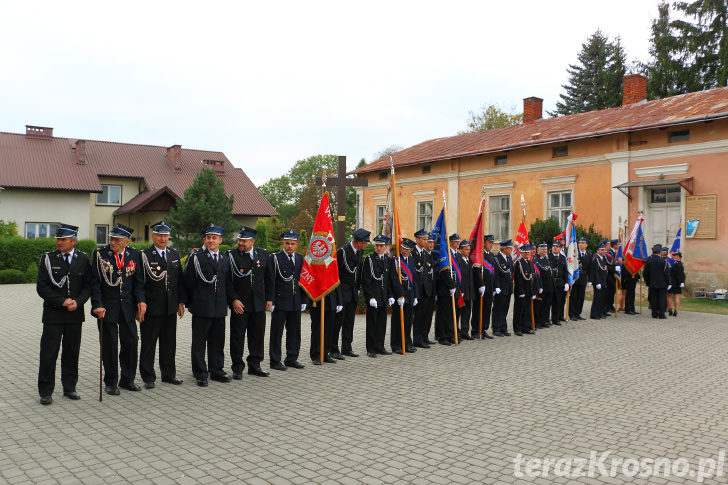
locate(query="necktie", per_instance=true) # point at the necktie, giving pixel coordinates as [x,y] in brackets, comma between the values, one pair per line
[290,256]
[68,258]
[214,260]
[163,254]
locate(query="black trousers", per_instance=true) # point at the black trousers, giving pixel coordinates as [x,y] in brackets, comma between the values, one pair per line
[316,337]
[208,333]
[576,304]
[500,311]
[522,313]
[475,319]
[395,330]
[629,298]
[658,303]
[344,324]
[422,321]
[464,314]
[113,333]
[557,303]
[252,323]
[291,322]
[376,328]
[444,319]
[542,308]
[164,329]
[597,307]
[69,334]
[611,291]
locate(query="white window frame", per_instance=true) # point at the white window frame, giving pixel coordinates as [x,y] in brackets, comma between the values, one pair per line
[563,210]
[108,187]
[418,215]
[379,220]
[492,224]
[96,238]
[50,228]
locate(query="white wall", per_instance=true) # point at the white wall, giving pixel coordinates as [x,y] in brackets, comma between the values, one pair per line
[24,206]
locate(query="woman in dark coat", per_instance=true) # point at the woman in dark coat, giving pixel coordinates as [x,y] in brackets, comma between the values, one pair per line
[677,280]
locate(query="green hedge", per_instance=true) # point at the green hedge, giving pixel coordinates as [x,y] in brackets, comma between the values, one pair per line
[10,276]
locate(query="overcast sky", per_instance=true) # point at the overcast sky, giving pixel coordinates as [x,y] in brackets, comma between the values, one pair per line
[270,83]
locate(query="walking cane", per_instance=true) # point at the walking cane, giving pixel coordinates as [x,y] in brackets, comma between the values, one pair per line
[101,358]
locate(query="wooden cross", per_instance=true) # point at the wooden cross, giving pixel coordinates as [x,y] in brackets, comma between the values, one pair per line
[341,183]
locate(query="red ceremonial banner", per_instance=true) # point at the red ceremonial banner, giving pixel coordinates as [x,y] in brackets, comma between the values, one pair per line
[476,239]
[320,273]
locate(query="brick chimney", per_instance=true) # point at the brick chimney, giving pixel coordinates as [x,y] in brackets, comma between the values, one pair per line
[38,131]
[217,165]
[80,149]
[174,155]
[635,89]
[532,109]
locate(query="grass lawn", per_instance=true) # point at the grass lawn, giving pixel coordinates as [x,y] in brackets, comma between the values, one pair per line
[687,304]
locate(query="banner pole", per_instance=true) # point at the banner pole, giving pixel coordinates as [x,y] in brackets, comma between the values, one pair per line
[449,265]
[101,359]
[321,339]
[395,231]
[482,255]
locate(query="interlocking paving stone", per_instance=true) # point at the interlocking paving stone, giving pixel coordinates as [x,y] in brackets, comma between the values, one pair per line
[638,387]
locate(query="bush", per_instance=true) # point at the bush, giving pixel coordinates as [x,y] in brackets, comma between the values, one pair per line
[18,252]
[31,274]
[11,276]
[547,230]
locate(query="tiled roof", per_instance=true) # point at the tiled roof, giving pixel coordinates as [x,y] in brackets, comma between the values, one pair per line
[141,199]
[685,108]
[46,162]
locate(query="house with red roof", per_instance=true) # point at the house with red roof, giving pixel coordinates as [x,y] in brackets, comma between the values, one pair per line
[665,159]
[46,180]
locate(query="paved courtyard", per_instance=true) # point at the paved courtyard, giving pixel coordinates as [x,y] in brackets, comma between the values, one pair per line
[569,400]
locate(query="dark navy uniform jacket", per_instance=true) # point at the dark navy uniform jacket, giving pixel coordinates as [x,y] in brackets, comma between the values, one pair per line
[504,273]
[377,279]
[424,273]
[77,286]
[117,290]
[349,264]
[163,292]
[657,272]
[407,288]
[206,285]
[598,271]
[547,273]
[249,279]
[584,267]
[287,295]
[466,273]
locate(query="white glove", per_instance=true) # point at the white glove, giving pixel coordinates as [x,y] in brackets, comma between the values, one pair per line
[373,302]
[452,291]
[566,286]
[497,291]
[599,286]
[391,301]
[303,307]
[540,290]
[618,268]
[533,297]
[588,283]
[669,286]
[400,300]
[339,308]
[415,302]
[481,290]
[272,307]
[522,296]
[682,285]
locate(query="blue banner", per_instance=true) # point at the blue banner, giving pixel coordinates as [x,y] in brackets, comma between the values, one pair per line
[441,249]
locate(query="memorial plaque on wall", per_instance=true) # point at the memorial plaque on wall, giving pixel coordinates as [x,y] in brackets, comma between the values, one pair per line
[701,216]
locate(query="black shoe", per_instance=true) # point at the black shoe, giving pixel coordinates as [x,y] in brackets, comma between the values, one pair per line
[238,375]
[556,323]
[519,334]
[529,332]
[384,352]
[72,395]
[329,360]
[278,366]
[45,400]
[669,311]
[371,354]
[506,334]
[485,335]
[562,319]
[202,382]
[548,325]
[663,317]
[411,350]
[257,371]
[430,342]
[337,356]
[445,342]
[631,312]
[316,362]
[130,386]
[466,337]
[295,364]
[221,378]
[674,314]
[422,346]
[396,351]
[172,380]
[621,310]
[351,353]
[112,390]
[498,334]
[149,385]
[596,318]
